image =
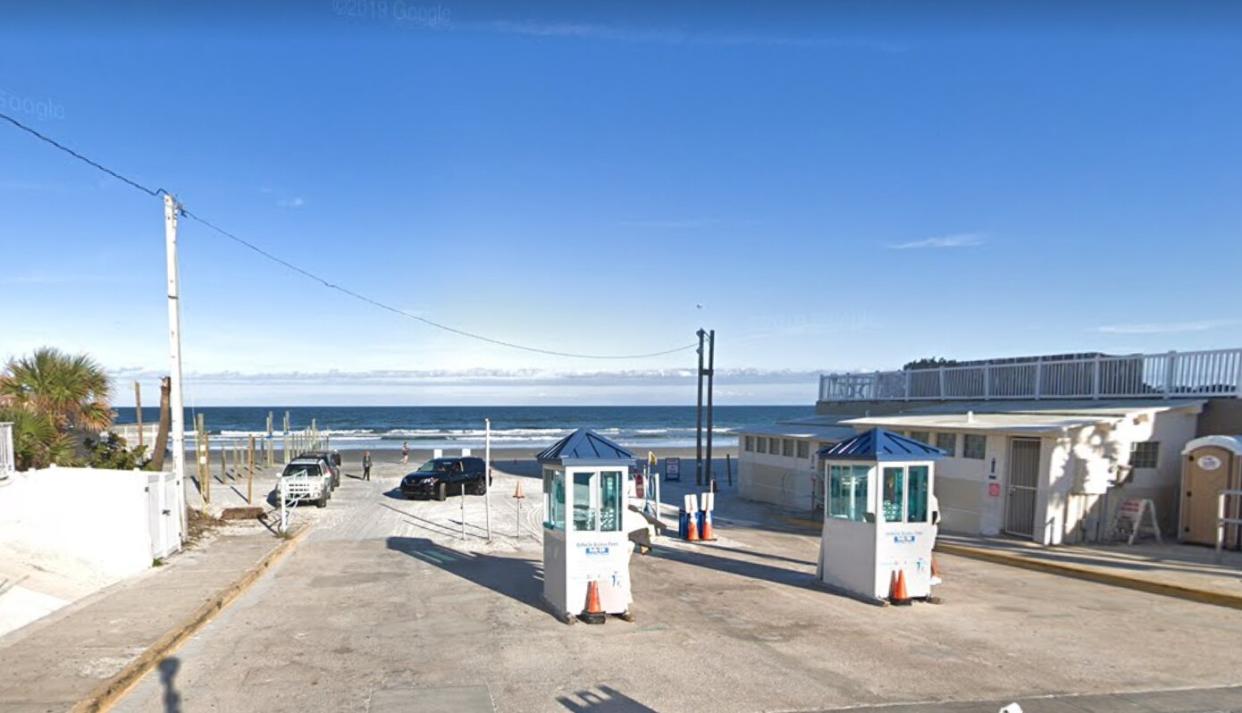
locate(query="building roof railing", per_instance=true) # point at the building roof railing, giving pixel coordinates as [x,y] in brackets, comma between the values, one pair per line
[1201,374]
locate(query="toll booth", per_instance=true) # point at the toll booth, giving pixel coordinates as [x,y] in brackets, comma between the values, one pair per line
[584,538]
[878,518]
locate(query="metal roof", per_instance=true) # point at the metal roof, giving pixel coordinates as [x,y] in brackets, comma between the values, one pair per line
[584,445]
[880,445]
[794,430]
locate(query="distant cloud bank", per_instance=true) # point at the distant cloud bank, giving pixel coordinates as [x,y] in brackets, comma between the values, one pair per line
[1201,325]
[957,240]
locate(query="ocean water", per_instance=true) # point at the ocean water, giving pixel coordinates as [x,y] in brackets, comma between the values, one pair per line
[384,427]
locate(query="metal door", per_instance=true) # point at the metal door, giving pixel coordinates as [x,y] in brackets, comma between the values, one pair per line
[1023,486]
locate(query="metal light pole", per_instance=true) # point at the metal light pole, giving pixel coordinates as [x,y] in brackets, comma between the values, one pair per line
[174,354]
[698,420]
[711,372]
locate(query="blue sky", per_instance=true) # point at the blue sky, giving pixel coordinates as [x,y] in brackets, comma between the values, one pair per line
[839,186]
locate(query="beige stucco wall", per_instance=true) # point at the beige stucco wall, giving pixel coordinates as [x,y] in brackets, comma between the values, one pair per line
[776,479]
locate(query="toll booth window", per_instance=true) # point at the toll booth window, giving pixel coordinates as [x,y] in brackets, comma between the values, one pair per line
[894,494]
[917,507]
[847,492]
[584,513]
[610,501]
[554,499]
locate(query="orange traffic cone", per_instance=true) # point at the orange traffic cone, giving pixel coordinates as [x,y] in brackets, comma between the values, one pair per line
[594,613]
[897,589]
[692,529]
[707,533]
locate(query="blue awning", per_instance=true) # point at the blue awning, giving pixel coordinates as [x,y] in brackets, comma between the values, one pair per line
[584,445]
[880,445]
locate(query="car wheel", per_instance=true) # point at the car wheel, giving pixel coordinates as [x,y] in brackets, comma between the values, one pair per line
[481,488]
[322,502]
[441,492]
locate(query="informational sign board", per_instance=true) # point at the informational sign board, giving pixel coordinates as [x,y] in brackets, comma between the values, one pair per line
[672,469]
[1129,520]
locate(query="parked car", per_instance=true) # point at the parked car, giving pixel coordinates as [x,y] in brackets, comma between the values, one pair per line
[308,480]
[441,477]
[332,459]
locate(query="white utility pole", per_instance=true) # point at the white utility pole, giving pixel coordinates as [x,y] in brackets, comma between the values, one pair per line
[487,474]
[174,354]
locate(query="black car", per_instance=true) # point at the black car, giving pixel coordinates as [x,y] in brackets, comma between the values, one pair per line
[332,459]
[441,477]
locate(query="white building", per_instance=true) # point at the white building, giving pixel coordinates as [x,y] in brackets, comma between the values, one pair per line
[1042,448]
[777,464]
[1051,473]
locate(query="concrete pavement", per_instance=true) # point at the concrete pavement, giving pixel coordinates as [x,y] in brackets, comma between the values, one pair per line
[56,662]
[381,609]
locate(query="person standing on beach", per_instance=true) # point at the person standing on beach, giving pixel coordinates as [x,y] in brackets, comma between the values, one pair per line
[405,452]
[366,465]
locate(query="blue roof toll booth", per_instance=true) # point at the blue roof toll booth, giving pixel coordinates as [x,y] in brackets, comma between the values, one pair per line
[583,535]
[878,515]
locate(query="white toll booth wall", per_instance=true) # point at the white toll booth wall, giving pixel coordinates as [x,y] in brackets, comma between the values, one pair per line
[583,538]
[878,522]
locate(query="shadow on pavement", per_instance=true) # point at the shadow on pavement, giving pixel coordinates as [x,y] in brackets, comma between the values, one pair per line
[516,578]
[754,570]
[602,699]
[168,673]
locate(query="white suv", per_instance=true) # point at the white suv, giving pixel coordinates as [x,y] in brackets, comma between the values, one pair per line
[304,480]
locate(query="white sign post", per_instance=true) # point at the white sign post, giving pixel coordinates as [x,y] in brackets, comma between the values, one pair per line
[487,474]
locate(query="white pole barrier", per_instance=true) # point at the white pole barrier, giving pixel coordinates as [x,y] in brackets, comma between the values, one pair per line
[487,474]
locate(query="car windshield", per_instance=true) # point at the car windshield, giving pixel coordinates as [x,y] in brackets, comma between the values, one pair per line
[435,466]
[292,469]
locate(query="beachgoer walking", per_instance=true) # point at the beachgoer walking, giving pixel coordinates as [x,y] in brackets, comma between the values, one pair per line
[405,452]
[366,465]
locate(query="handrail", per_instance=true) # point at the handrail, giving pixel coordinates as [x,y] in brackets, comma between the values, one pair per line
[1210,373]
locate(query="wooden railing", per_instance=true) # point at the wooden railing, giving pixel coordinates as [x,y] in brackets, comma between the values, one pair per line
[1216,373]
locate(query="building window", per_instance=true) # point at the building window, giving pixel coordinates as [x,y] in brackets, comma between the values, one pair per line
[763,444]
[787,448]
[921,436]
[804,450]
[974,446]
[947,442]
[750,443]
[1144,454]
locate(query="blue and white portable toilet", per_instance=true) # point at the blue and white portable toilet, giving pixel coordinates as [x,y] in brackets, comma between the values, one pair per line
[584,537]
[878,514]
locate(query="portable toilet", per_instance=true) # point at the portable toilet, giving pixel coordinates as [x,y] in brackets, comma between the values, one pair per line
[878,520]
[584,538]
[1209,465]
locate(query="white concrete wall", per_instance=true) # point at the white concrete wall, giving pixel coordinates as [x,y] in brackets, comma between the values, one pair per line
[96,516]
[776,479]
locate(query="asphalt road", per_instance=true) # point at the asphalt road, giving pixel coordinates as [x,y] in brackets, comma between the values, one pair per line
[385,608]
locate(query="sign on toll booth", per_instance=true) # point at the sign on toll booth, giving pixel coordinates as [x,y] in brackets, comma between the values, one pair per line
[586,550]
[879,523]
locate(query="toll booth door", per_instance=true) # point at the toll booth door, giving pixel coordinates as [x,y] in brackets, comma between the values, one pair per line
[1023,486]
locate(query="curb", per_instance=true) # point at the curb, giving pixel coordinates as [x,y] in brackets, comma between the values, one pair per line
[1202,596]
[106,694]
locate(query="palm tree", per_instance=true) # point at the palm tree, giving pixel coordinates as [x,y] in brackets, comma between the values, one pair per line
[36,439]
[70,391]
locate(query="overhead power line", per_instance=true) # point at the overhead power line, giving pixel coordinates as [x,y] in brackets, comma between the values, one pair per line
[324,281]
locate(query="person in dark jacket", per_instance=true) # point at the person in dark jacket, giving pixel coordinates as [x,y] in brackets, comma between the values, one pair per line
[366,465]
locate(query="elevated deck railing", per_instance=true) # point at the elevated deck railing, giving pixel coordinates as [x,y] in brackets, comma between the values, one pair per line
[1216,373]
